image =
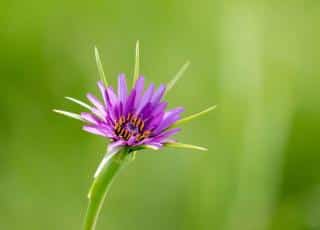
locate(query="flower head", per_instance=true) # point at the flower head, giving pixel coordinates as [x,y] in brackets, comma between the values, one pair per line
[132,118]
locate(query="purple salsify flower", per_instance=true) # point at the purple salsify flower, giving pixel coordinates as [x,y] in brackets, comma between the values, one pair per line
[132,118]
[135,119]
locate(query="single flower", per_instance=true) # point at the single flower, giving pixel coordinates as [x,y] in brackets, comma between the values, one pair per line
[131,119]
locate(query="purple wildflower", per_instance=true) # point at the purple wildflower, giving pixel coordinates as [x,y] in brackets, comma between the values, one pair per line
[132,119]
[135,119]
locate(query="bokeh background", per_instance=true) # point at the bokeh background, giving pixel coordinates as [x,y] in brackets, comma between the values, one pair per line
[258,60]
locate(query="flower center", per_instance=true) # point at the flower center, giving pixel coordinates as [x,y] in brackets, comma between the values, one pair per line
[129,126]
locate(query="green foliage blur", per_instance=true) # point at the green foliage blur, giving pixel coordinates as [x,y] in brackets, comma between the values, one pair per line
[257,60]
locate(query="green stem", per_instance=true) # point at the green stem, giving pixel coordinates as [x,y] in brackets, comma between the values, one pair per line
[100,187]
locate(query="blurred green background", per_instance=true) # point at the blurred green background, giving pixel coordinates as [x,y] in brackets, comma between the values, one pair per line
[258,60]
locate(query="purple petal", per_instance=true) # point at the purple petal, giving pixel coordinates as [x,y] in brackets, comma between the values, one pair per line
[174,111]
[103,91]
[129,107]
[109,121]
[139,86]
[90,118]
[96,102]
[146,111]
[111,116]
[131,140]
[158,94]
[99,113]
[95,130]
[145,98]
[164,136]
[156,116]
[165,123]
[122,88]
[168,119]
[159,108]
[154,121]
[117,110]
[112,98]
[103,129]
[112,102]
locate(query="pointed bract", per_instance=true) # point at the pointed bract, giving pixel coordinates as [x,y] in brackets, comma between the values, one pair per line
[178,75]
[194,116]
[68,114]
[136,63]
[99,66]
[185,146]
[83,104]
